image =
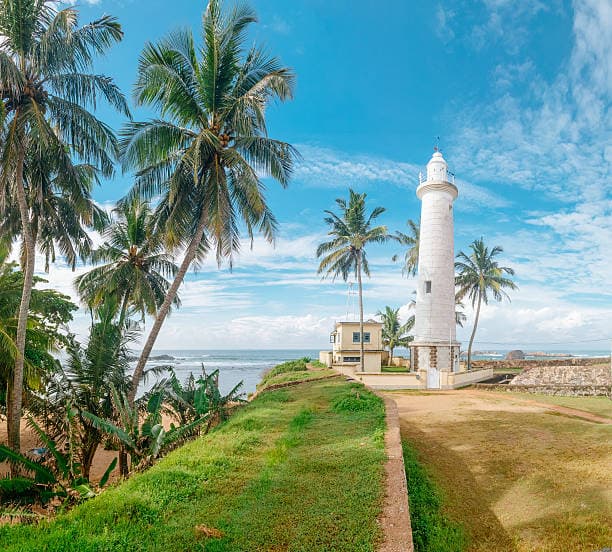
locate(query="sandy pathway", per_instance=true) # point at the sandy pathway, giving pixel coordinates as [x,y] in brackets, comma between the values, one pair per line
[439,401]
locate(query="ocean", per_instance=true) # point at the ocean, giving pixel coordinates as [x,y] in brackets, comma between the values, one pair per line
[248,365]
[234,365]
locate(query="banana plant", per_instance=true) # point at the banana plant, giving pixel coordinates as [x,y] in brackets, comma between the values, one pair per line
[199,397]
[41,480]
[147,440]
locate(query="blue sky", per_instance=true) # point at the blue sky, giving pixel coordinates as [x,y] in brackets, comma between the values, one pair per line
[518,92]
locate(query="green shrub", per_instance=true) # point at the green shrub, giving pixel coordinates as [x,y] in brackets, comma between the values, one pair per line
[431,530]
[357,399]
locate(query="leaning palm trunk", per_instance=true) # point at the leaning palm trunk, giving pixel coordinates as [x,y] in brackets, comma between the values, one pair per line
[469,362]
[165,308]
[361,347]
[14,425]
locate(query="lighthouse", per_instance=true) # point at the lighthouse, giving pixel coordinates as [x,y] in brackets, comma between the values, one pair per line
[435,349]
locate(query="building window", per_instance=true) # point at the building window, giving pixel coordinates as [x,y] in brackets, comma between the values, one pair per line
[366,337]
[350,359]
[332,338]
[427,286]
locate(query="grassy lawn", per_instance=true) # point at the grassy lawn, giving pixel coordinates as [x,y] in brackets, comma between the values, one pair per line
[394,369]
[298,469]
[514,478]
[596,405]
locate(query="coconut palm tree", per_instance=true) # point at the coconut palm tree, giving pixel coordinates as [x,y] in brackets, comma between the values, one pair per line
[50,311]
[61,209]
[394,333]
[478,276]
[205,156]
[411,256]
[136,264]
[351,231]
[46,90]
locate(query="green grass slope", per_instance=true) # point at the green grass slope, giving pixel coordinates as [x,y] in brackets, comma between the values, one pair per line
[298,469]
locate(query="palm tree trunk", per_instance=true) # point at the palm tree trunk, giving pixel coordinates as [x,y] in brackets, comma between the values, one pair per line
[361,348]
[469,367]
[14,428]
[124,469]
[165,308]
[124,306]
[390,356]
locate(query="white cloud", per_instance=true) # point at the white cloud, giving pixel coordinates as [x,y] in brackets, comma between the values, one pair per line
[325,167]
[443,28]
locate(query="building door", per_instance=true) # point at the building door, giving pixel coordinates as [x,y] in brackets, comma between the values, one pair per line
[433,378]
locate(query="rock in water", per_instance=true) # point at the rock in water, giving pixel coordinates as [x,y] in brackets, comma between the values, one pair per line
[517,354]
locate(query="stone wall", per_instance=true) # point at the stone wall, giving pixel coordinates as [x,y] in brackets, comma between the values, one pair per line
[553,375]
[566,390]
[501,364]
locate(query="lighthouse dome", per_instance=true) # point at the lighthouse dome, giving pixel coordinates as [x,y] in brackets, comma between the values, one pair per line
[437,168]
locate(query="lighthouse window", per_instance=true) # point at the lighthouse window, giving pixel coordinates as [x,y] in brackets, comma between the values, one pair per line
[428,286]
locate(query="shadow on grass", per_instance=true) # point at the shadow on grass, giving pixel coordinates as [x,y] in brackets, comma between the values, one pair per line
[463,503]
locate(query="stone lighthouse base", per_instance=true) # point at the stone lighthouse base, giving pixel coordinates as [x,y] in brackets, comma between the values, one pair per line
[435,360]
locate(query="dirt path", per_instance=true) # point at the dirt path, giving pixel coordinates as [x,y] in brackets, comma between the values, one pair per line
[482,400]
[565,410]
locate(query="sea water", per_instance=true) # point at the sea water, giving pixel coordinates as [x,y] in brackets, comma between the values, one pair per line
[235,366]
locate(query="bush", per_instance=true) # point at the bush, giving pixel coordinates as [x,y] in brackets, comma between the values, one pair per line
[357,399]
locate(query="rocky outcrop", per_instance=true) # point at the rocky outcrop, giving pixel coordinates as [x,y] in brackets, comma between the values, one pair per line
[517,354]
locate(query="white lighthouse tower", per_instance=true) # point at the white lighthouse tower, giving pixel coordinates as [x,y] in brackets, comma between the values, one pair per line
[435,348]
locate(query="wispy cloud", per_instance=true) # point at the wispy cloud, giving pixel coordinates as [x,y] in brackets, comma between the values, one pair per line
[278,25]
[443,28]
[325,167]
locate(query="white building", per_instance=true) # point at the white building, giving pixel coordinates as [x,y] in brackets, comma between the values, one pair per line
[435,348]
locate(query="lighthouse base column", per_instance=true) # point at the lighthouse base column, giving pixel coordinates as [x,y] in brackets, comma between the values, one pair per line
[434,361]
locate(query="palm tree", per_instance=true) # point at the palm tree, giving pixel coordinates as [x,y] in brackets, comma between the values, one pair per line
[136,264]
[394,333]
[479,274]
[45,92]
[345,253]
[411,257]
[206,155]
[49,313]
[60,209]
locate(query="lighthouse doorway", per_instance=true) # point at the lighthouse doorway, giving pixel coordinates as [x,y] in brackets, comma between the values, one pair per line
[433,378]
